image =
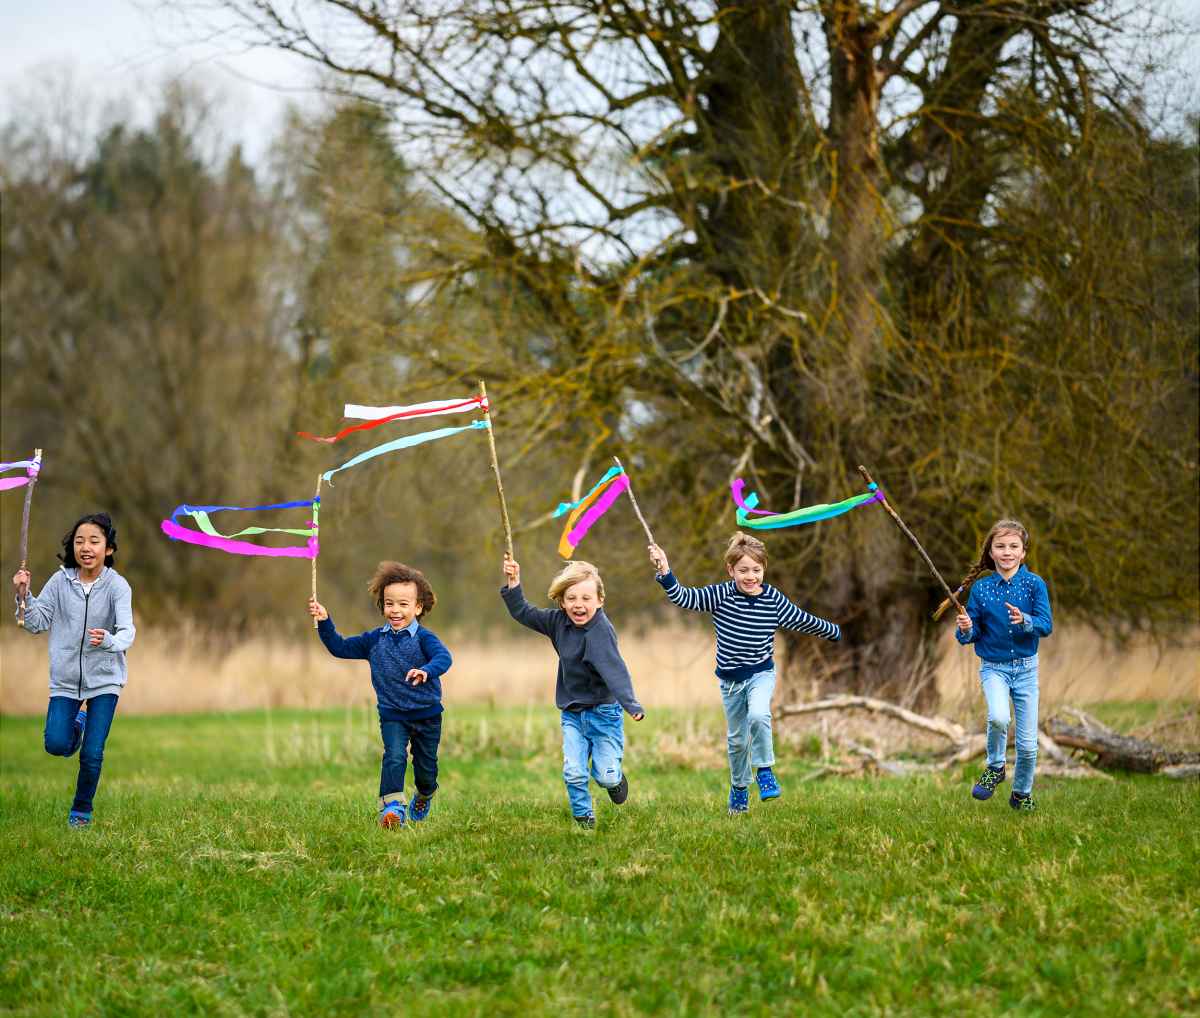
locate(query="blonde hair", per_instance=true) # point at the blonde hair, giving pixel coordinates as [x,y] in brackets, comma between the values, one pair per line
[985,560]
[743,544]
[571,574]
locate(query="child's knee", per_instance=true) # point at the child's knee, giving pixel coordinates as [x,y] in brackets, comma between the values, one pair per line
[760,719]
[58,745]
[998,721]
[609,776]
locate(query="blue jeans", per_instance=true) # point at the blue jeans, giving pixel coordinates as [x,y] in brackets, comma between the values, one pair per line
[61,738]
[596,734]
[1017,679]
[423,736]
[747,706]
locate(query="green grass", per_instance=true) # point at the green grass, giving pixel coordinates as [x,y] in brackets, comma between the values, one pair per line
[235,869]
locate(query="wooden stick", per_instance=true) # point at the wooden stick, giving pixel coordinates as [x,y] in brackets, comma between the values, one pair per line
[316,535]
[633,499]
[37,457]
[508,545]
[909,534]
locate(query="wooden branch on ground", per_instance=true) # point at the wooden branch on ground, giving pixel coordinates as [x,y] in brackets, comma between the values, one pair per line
[939,726]
[1114,751]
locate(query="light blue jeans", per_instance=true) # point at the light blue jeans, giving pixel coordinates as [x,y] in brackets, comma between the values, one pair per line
[1017,679]
[748,719]
[594,736]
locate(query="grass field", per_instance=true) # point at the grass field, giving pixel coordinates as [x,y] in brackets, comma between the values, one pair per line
[235,869]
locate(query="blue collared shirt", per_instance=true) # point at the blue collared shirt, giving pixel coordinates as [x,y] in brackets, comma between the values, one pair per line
[995,637]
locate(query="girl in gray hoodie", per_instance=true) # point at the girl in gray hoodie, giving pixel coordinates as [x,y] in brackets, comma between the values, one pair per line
[87,607]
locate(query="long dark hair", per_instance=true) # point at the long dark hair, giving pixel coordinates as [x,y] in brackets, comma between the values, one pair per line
[985,560]
[101,520]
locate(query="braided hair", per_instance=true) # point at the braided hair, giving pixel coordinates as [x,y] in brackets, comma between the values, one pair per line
[985,560]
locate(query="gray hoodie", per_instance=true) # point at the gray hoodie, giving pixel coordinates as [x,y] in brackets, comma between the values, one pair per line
[77,669]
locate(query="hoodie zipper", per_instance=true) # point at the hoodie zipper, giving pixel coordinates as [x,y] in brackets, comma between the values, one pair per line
[87,595]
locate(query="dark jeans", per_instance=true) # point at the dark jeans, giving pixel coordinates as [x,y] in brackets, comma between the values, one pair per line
[62,739]
[424,737]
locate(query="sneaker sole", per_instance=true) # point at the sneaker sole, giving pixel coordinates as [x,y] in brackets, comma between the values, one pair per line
[388,822]
[982,794]
[764,796]
[619,794]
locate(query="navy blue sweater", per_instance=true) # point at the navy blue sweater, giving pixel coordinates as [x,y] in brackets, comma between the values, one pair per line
[590,668]
[995,638]
[391,655]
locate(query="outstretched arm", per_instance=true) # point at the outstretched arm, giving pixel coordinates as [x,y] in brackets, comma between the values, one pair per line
[540,620]
[794,617]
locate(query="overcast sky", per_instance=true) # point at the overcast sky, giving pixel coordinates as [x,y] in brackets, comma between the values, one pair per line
[122,47]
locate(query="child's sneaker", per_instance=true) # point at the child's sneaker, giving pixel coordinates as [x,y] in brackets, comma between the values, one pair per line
[392,814]
[739,800]
[587,822]
[418,809]
[77,819]
[619,793]
[1022,802]
[987,782]
[768,787]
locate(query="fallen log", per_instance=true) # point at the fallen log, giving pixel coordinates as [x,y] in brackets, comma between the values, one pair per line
[1114,751]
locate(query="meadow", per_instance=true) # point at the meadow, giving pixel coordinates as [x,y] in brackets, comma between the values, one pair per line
[235,869]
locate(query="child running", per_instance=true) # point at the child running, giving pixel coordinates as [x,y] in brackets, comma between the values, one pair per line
[593,682]
[746,613]
[1006,614]
[407,664]
[87,606]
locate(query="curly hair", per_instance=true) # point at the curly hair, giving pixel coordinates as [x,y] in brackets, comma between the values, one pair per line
[387,573]
[743,544]
[101,520]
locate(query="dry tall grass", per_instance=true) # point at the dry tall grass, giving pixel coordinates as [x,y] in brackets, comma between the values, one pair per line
[188,671]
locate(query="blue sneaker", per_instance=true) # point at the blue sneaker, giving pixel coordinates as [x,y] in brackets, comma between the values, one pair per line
[418,809]
[392,815]
[739,800]
[988,780]
[77,819]
[768,787]
[1022,802]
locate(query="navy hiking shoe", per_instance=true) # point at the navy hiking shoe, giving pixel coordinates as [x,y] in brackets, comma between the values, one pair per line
[418,809]
[988,780]
[392,814]
[768,787]
[1022,802]
[619,793]
[587,821]
[77,819]
[739,800]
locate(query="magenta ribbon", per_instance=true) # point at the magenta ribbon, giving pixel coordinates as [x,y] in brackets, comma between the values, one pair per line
[13,482]
[174,530]
[598,509]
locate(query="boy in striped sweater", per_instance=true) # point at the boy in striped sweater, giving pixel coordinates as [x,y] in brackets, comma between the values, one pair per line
[746,613]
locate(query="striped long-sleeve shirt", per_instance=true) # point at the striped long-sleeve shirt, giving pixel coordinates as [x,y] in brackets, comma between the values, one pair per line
[746,624]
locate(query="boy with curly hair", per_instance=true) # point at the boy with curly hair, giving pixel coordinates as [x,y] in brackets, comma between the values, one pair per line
[407,664]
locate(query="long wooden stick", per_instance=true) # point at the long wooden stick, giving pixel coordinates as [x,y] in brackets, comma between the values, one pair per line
[641,518]
[508,545]
[37,459]
[317,537]
[909,534]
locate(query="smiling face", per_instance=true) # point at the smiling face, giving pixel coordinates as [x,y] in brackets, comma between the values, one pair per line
[581,601]
[90,546]
[400,605]
[747,573]
[1008,552]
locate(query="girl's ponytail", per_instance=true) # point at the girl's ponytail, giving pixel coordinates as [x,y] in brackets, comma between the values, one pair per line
[963,588]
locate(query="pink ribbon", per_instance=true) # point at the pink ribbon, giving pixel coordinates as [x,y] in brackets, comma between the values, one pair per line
[598,509]
[179,533]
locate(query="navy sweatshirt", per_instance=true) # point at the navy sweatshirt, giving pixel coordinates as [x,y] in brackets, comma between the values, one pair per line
[391,655]
[590,669]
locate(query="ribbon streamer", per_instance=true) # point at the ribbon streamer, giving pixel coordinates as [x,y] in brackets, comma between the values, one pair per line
[209,537]
[797,517]
[402,443]
[31,471]
[589,509]
[377,415]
